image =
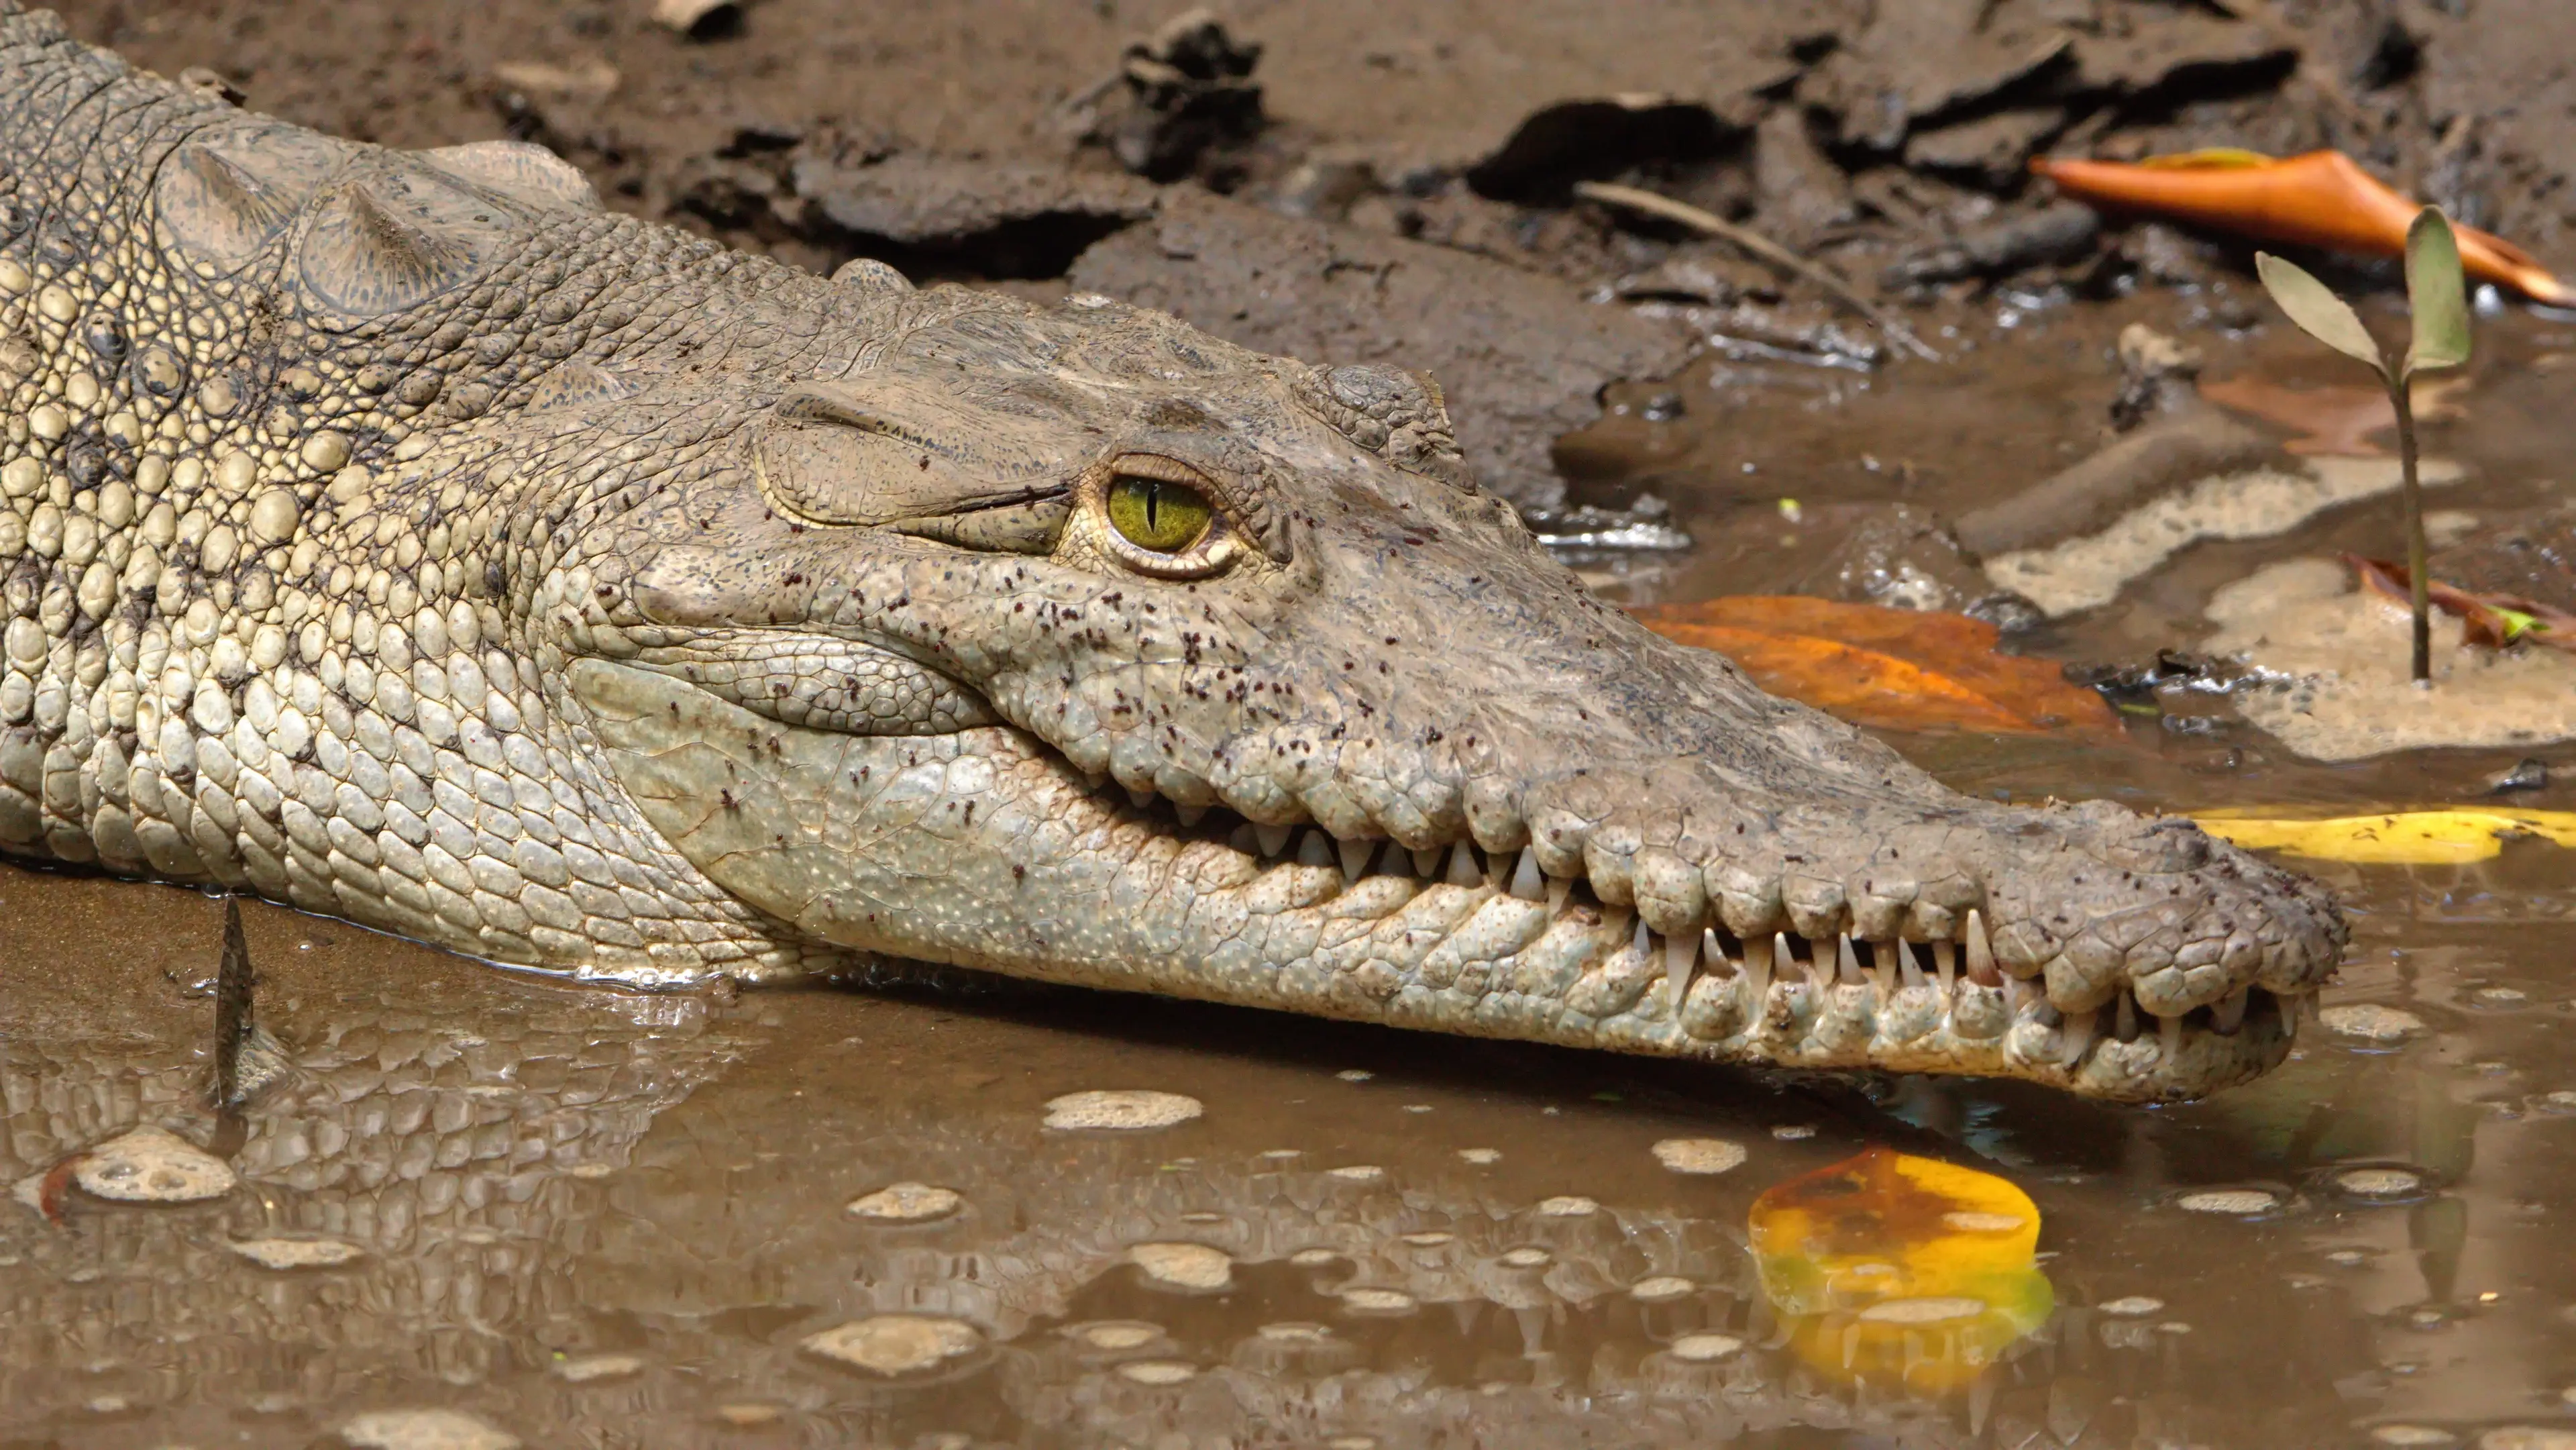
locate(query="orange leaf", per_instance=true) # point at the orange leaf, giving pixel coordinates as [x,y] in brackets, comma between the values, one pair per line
[2322,199]
[1894,669]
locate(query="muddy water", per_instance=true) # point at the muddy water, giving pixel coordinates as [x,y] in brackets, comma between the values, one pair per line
[587,1218]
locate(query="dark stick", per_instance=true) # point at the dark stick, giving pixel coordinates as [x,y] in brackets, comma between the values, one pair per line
[232,1008]
[2419,583]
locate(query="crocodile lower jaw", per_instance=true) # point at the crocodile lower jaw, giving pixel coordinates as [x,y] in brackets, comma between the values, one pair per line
[983,848]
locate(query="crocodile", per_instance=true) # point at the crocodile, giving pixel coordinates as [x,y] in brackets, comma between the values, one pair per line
[404,537]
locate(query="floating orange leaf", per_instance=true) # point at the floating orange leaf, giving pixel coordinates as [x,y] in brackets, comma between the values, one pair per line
[2321,199]
[2492,620]
[1894,669]
[1900,1271]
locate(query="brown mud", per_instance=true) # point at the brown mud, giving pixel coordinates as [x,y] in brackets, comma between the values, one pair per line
[602,1219]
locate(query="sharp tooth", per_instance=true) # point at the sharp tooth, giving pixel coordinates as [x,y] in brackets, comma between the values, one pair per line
[1681,954]
[1463,870]
[1245,839]
[2078,1035]
[1273,839]
[1528,882]
[2229,1013]
[1846,961]
[2124,1019]
[1140,799]
[1190,815]
[1426,863]
[1314,849]
[1782,959]
[1640,941]
[1355,859]
[1908,971]
[1981,954]
[2169,1037]
[1757,966]
[1558,889]
[1945,961]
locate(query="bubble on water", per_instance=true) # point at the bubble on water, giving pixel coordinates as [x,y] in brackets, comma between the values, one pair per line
[1356,1173]
[1377,1301]
[906,1203]
[749,1414]
[1430,1238]
[2229,1200]
[2410,1435]
[1568,1205]
[1121,1109]
[1482,1156]
[1158,1371]
[2173,1326]
[2134,1306]
[598,1367]
[1528,1256]
[1701,1348]
[2379,1182]
[1351,1442]
[1314,1258]
[425,1430]
[897,1344]
[1792,1132]
[2562,1100]
[153,1165]
[590,1170]
[1116,1336]
[1660,1288]
[1294,1332]
[1184,1266]
[2527,1437]
[291,1253]
[2371,1022]
[1355,1074]
[1417,1107]
[1929,1309]
[2500,997]
[1281,1155]
[1700,1155]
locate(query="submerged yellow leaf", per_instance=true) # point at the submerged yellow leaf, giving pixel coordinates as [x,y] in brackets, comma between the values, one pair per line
[2403,838]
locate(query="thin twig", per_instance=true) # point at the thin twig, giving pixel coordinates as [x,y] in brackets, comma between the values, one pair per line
[1636,199]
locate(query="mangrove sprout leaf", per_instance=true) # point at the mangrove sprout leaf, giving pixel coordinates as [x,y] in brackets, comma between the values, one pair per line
[2438,294]
[2318,312]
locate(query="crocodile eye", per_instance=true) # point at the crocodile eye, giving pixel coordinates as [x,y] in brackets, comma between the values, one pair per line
[1158,514]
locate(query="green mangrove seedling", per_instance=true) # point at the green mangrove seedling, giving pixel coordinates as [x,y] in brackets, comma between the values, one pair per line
[2438,299]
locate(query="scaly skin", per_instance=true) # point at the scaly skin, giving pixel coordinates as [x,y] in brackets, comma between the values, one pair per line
[403,538]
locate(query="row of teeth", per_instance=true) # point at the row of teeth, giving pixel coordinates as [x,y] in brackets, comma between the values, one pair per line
[1886,966]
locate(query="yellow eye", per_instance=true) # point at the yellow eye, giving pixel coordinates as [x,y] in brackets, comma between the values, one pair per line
[1158,515]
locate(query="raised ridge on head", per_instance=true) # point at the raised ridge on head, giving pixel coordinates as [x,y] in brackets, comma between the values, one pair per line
[394,238]
[520,169]
[223,198]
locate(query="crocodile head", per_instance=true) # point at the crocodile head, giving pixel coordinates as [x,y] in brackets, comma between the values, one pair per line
[1076,645]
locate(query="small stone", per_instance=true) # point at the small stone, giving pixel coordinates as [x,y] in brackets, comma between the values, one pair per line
[153,1165]
[1661,1288]
[2371,1022]
[2135,1306]
[591,1367]
[1931,1309]
[2229,1200]
[906,1203]
[1483,1156]
[897,1344]
[749,1415]
[1700,1155]
[1351,1442]
[1568,1205]
[2348,1258]
[1355,1074]
[424,1430]
[2410,1435]
[1122,1110]
[1158,1371]
[1116,1336]
[695,18]
[1377,1301]
[1792,1132]
[1314,1258]
[1184,1266]
[2379,1182]
[1702,1348]
[286,1253]
[1528,1256]
[2500,997]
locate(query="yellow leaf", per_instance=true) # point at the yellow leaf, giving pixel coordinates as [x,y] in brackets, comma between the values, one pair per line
[2403,838]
